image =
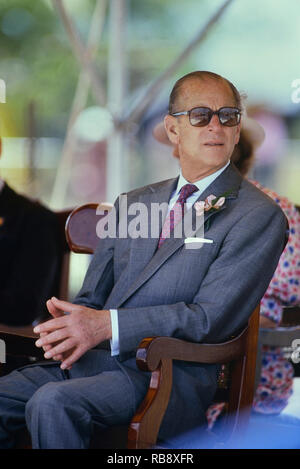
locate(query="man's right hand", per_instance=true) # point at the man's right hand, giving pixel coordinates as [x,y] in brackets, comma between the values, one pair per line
[55,313]
[71,335]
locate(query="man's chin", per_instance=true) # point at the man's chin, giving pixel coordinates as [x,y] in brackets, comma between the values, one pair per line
[217,151]
[206,158]
[213,157]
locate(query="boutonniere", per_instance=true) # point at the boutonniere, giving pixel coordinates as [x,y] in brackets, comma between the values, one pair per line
[212,203]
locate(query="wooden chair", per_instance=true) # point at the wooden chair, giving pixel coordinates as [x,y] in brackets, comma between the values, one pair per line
[235,385]
[155,354]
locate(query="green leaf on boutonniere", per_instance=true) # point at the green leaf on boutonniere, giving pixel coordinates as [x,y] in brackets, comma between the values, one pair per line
[215,209]
[225,194]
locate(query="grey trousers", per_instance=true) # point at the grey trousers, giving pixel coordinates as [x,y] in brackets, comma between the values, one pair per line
[59,408]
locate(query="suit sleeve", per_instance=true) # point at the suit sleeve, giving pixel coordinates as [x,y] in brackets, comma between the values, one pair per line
[231,289]
[99,279]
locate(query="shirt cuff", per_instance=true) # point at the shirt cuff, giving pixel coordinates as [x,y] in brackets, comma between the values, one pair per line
[114,341]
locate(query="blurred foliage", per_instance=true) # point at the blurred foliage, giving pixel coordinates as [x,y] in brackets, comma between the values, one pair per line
[254,46]
[37,64]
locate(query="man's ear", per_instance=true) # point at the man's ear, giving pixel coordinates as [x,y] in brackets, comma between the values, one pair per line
[171,127]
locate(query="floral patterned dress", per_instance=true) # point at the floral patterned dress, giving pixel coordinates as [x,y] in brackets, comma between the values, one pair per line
[276,381]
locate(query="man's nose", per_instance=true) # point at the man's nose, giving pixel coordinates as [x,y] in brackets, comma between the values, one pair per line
[214,123]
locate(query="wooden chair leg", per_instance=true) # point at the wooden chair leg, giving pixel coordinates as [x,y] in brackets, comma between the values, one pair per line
[144,427]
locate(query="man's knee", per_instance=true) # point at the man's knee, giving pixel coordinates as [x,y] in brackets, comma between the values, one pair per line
[52,418]
[48,398]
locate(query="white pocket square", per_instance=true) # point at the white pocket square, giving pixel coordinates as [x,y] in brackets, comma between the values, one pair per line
[198,240]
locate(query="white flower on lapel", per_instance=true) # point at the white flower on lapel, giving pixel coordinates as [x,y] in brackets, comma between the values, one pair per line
[211,202]
[199,207]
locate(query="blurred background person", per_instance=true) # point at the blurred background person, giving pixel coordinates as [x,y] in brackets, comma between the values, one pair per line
[30,257]
[270,152]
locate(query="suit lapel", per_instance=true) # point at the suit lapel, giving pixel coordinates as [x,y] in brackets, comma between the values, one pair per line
[143,250]
[230,179]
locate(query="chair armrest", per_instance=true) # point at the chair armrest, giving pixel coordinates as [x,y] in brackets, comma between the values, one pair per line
[155,354]
[153,349]
[18,345]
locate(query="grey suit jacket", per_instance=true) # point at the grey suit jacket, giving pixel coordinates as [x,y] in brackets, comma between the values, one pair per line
[200,295]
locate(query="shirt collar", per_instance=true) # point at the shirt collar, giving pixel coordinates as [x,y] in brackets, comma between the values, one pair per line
[202,184]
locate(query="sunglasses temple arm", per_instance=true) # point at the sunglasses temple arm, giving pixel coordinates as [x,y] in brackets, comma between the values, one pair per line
[183,113]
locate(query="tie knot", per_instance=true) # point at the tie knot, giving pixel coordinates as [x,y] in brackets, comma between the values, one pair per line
[186,191]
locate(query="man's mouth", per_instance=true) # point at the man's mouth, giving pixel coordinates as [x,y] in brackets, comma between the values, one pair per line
[213,144]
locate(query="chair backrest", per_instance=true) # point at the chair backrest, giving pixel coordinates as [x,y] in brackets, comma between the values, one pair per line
[81,226]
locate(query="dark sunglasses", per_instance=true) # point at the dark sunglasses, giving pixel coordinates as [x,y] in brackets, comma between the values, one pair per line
[201,116]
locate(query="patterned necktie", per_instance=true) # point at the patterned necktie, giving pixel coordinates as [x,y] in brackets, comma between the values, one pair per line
[176,213]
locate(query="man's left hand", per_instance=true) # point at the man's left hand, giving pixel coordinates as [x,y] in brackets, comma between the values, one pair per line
[71,335]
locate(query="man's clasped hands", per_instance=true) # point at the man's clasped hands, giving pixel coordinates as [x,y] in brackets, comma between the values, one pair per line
[73,330]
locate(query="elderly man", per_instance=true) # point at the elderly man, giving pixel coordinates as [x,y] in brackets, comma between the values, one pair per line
[155,286]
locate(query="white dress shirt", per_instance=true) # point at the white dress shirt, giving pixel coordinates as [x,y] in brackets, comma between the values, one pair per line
[202,185]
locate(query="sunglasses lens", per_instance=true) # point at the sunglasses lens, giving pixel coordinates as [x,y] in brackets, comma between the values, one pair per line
[229,116]
[200,116]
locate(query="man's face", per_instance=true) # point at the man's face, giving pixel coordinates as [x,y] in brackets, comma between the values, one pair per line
[203,149]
